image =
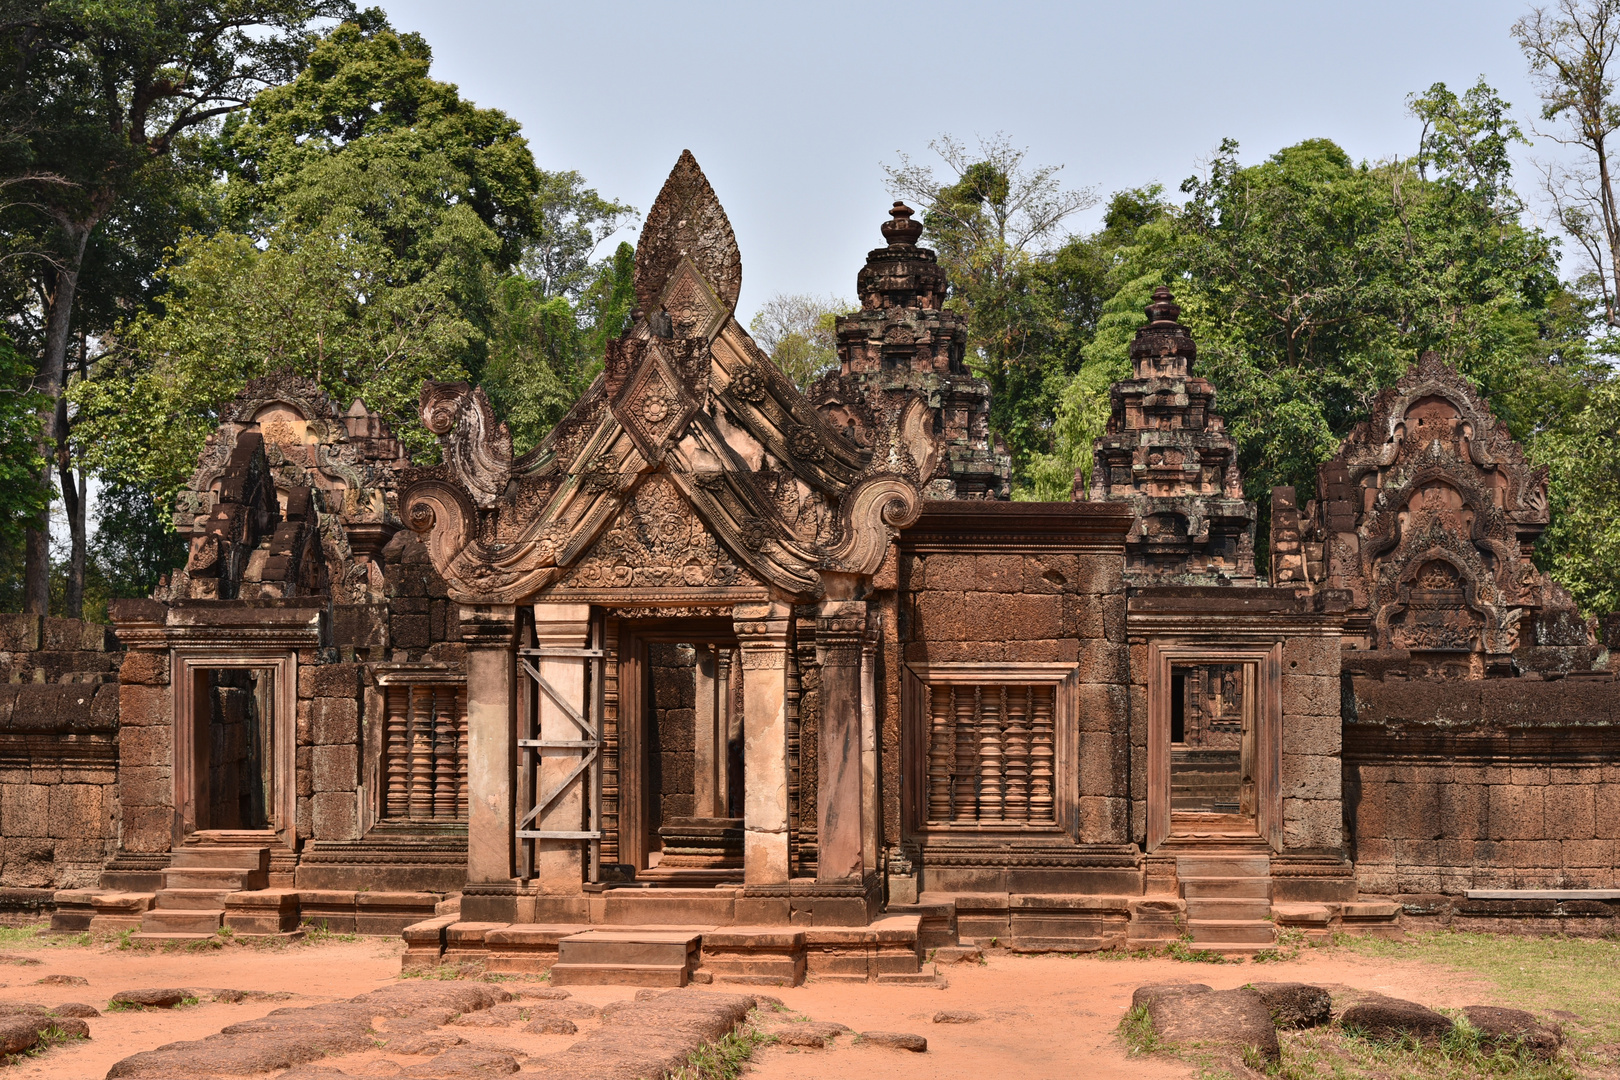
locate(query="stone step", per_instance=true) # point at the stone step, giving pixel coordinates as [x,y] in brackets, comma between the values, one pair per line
[1232,931]
[212,856]
[190,899]
[1196,888]
[618,974]
[182,921]
[1212,866]
[1249,909]
[204,877]
[629,948]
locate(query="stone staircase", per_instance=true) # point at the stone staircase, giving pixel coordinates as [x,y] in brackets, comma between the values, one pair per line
[201,875]
[626,958]
[1228,897]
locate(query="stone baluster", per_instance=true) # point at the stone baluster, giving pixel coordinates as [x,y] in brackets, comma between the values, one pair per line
[965,786]
[398,781]
[990,790]
[421,753]
[461,752]
[1015,806]
[1041,807]
[941,753]
[444,753]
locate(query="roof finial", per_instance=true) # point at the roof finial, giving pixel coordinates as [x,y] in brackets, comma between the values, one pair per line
[900,229]
[1163,309]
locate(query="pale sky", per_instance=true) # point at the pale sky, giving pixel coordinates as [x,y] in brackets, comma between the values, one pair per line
[790,108]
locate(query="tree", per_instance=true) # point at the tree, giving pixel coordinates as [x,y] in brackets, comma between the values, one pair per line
[95,94]
[545,350]
[1570,49]
[799,332]
[995,223]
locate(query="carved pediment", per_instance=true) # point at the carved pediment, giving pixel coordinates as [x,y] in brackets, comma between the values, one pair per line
[656,543]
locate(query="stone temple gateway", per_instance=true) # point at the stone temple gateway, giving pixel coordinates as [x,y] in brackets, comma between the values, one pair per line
[729,681]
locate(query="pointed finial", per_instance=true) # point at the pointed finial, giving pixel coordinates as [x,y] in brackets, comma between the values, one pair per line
[1163,309]
[900,229]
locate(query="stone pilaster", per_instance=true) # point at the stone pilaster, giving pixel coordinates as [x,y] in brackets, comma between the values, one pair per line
[489,631]
[871,806]
[840,630]
[762,633]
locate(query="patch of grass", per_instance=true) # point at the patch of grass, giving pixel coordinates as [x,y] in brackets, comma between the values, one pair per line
[1316,1053]
[1289,944]
[441,971]
[1183,951]
[1576,975]
[1137,1033]
[725,1059]
[319,933]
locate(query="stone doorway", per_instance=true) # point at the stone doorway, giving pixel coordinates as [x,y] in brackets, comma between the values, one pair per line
[681,753]
[234,752]
[1213,743]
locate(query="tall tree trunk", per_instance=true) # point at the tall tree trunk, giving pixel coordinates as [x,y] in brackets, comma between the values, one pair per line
[73,501]
[58,325]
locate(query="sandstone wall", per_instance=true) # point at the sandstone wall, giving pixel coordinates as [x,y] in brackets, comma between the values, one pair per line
[1310,779]
[58,753]
[1061,607]
[1492,784]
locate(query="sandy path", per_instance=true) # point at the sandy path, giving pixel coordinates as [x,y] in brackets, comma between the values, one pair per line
[1054,1017]
[1044,1016]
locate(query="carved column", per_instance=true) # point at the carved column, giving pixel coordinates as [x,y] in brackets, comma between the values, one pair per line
[762,632]
[708,753]
[489,631]
[559,865]
[840,630]
[871,824]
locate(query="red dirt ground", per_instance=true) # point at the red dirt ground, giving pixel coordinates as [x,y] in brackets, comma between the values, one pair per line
[1044,1016]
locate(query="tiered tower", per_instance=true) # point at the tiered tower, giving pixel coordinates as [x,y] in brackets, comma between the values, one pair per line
[1168,455]
[902,389]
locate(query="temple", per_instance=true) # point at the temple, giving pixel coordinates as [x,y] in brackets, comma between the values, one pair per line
[728,682]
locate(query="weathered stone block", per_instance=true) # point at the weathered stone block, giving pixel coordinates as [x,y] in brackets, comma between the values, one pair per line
[334,720]
[337,680]
[938,616]
[146,785]
[1012,617]
[999,573]
[27,862]
[78,810]
[1311,656]
[1050,573]
[304,764]
[139,746]
[1572,811]
[334,815]
[949,572]
[142,667]
[24,810]
[1309,695]
[409,632]
[334,768]
[1102,820]
[1102,661]
[19,633]
[144,706]
[1310,776]
[1082,616]
[1314,824]
[146,829]
[1516,812]
[1101,706]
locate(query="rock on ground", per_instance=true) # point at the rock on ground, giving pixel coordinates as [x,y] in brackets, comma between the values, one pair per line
[541,993]
[1295,1005]
[62,980]
[152,998]
[551,1025]
[798,1035]
[75,1008]
[956,1016]
[17,1034]
[1391,1019]
[1509,1029]
[1235,1018]
[648,1038]
[894,1040]
[1145,994]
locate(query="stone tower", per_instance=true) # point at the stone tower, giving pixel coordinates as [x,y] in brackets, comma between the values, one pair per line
[1168,455]
[902,389]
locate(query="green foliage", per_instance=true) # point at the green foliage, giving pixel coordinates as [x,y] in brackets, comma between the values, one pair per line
[799,333]
[320,305]
[21,499]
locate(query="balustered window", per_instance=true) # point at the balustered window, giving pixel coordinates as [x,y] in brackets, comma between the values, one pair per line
[424,768]
[991,750]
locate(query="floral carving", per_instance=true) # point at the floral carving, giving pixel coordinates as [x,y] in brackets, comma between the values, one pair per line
[748,386]
[656,541]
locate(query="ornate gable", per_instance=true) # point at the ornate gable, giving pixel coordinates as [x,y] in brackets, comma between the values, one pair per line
[687,411]
[1428,519]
